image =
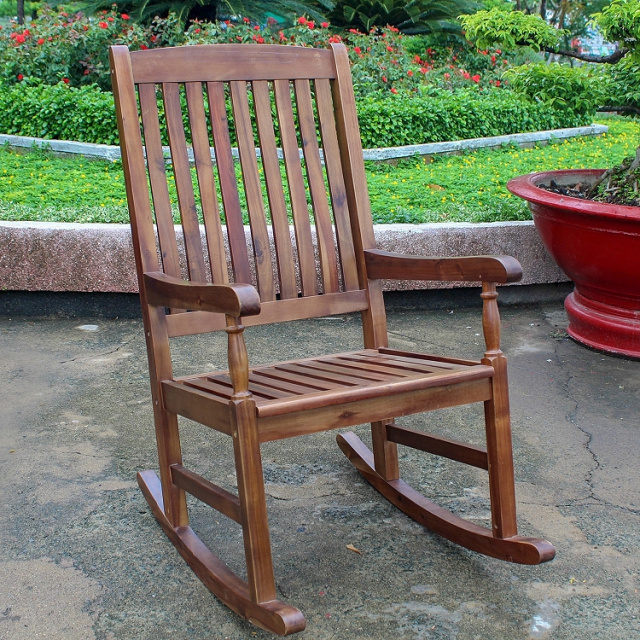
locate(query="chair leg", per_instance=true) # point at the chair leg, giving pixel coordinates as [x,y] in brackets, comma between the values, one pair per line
[500,455]
[169,452]
[385,452]
[253,506]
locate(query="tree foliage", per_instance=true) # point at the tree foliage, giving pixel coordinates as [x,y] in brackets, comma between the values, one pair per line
[509,29]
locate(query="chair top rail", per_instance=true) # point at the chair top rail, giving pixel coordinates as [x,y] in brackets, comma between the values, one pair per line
[196,64]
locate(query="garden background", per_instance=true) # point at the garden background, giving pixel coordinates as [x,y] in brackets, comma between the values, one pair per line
[417,78]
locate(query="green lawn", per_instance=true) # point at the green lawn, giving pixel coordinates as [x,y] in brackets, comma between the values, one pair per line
[465,188]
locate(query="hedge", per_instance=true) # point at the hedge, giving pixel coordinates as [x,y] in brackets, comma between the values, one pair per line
[444,116]
[87,114]
[58,112]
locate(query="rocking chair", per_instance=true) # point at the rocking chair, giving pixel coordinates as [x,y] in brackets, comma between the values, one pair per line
[205,101]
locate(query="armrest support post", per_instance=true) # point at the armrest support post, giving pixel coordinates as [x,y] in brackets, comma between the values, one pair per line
[238,359]
[490,320]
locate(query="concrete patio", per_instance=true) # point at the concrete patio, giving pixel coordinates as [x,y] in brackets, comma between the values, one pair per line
[82,558]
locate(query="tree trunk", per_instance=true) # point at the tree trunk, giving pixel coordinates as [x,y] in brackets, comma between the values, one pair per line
[20,11]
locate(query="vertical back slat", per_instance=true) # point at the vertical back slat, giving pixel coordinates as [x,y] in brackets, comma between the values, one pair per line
[253,191]
[228,184]
[184,185]
[333,167]
[275,191]
[317,187]
[158,180]
[374,322]
[206,182]
[297,191]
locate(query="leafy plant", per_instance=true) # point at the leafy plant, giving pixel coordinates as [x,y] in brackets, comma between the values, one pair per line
[258,11]
[579,89]
[509,29]
[413,16]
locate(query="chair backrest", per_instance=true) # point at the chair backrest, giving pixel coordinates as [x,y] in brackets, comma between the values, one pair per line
[217,131]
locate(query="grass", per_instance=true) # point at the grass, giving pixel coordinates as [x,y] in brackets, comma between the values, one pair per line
[466,188]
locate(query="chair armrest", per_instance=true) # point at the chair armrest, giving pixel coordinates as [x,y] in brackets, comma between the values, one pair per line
[396,266]
[233,299]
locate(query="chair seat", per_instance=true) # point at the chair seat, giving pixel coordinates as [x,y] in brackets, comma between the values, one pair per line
[314,383]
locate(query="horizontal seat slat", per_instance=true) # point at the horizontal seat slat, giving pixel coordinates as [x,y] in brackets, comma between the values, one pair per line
[371,367]
[425,366]
[321,374]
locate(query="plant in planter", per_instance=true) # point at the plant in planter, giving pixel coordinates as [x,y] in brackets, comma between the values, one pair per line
[589,220]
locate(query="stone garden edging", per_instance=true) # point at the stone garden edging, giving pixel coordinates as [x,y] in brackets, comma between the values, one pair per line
[73,257]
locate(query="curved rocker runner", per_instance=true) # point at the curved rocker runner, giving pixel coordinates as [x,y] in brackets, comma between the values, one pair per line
[285,266]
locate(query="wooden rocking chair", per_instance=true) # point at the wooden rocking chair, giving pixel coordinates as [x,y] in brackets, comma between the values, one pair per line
[225,96]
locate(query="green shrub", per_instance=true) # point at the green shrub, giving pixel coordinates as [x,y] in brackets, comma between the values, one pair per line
[453,116]
[579,89]
[58,112]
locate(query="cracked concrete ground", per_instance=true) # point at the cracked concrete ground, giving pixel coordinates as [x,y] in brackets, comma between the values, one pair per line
[81,557]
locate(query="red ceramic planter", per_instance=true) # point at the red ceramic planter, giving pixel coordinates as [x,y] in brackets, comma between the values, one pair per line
[598,246]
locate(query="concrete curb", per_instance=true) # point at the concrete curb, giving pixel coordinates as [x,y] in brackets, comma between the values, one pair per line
[73,257]
[111,153]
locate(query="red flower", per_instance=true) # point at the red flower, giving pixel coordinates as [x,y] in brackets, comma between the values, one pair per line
[20,76]
[357,49]
[355,31]
[384,78]
[324,25]
[19,38]
[311,24]
[257,27]
[103,25]
[465,75]
[497,83]
[40,40]
[26,32]
[447,76]
[124,16]
[282,36]
[246,20]
[493,59]
[143,47]
[476,78]
[409,73]
[335,39]
[498,51]
[110,19]
[65,80]
[393,90]
[87,72]
[302,20]
[389,48]
[197,30]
